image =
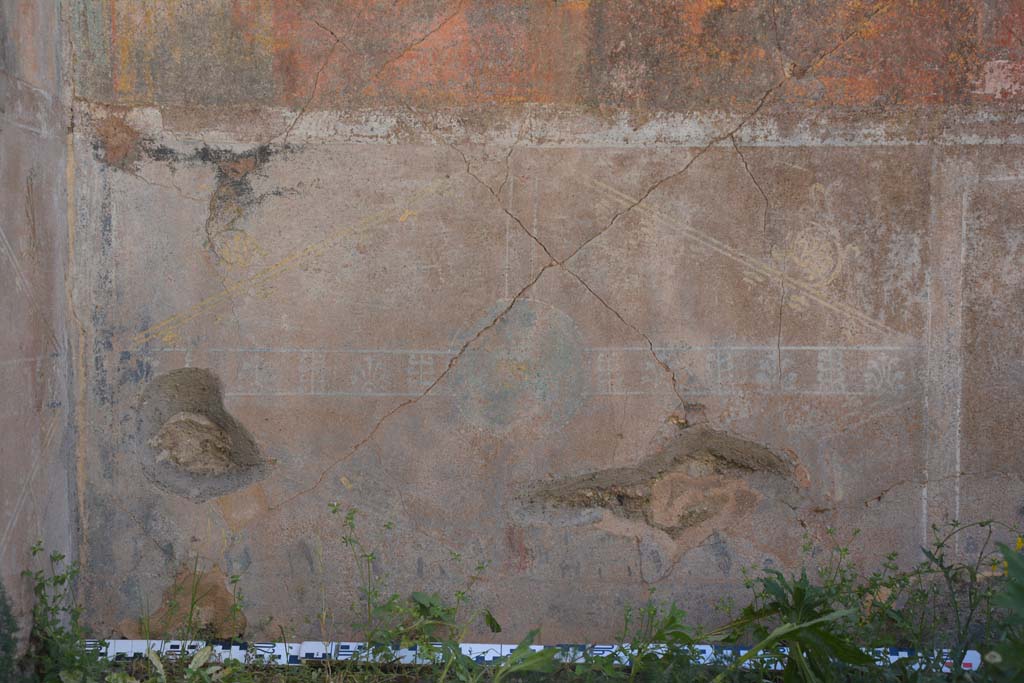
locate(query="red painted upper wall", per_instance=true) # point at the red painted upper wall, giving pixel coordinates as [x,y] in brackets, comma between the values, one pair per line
[658,55]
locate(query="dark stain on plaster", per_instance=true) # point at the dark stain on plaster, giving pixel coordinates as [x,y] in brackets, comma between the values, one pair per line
[133,369]
[103,292]
[233,195]
[189,444]
[696,476]
[120,146]
[719,549]
[8,53]
[116,143]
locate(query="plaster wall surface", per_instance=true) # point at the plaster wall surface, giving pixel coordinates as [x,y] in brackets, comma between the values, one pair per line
[605,296]
[36,503]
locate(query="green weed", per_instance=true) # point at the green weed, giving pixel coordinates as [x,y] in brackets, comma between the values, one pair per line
[815,625]
[58,637]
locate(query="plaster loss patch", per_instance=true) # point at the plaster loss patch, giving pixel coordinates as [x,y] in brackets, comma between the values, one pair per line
[195,444]
[190,444]
[697,479]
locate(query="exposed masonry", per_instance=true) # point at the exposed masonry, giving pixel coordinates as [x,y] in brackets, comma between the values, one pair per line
[698,474]
[189,444]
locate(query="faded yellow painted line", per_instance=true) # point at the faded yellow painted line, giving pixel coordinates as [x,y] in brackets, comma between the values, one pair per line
[166,329]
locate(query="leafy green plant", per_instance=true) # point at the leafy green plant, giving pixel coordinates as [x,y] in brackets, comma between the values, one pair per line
[202,670]
[422,621]
[816,624]
[524,659]
[654,638]
[1008,656]
[58,637]
[8,639]
[797,622]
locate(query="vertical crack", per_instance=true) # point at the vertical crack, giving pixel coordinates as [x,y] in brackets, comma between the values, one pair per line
[508,156]
[764,195]
[774,12]
[316,82]
[778,337]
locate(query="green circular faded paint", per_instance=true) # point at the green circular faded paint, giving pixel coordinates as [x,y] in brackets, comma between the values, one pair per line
[529,368]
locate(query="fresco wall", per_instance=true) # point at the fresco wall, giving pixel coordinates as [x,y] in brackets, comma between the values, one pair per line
[607,297]
[36,344]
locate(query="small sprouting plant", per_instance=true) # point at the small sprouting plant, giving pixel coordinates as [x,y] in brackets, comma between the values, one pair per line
[237,604]
[424,621]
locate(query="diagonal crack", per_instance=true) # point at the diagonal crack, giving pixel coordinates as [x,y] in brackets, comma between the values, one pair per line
[554,262]
[860,28]
[675,174]
[410,401]
[419,41]
[562,264]
[377,72]
[744,120]
[650,344]
[497,198]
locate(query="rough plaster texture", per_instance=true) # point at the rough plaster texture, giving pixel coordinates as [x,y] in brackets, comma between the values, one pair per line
[35,405]
[607,295]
